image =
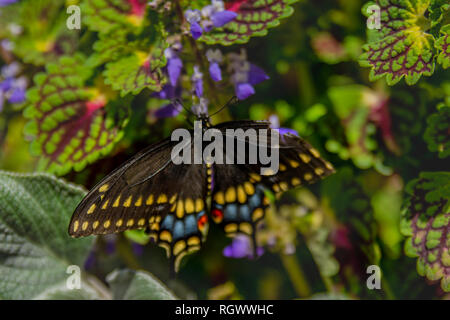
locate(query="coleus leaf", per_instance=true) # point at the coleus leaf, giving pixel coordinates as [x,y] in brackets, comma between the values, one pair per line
[402,48]
[426,223]
[69,126]
[437,133]
[105,15]
[443,47]
[254,18]
[137,71]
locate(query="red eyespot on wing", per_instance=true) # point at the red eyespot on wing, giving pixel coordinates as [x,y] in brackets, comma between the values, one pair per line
[217,215]
[201,222]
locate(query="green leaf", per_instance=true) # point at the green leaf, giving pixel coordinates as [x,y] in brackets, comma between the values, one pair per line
[403,47]
[69,126]
[437,134]
[426,221]
[62,292]
[137,285]
[136,72]
[35,248]
[254,18]
[105,15]
[442,45]
[353,208]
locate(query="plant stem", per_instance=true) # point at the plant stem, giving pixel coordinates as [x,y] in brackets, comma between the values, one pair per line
[296,275]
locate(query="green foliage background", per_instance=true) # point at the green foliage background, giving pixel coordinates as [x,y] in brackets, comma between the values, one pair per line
[376,103]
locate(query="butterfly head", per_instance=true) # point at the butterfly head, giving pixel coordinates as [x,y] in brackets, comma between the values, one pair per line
[205,119]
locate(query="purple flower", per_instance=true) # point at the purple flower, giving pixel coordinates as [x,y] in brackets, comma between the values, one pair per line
[275,124]
[244,74]
[11,88]
[244,90]
[169,110]
[4,3]
[213,15]
[194,17]
[197,80]
[138,249]
[201,107]
[241,247]
[174,65]
[219,19]
[214,57]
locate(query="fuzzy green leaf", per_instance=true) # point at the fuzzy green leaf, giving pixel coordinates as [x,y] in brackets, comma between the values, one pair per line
[137,285]
[254,18]
[443,47]
[69,126]
[402,48]
[35,248]
[437,134]
[105,15]
[426,223]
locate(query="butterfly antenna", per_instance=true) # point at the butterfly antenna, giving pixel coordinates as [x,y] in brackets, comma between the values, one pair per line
[230,102]
[178,101]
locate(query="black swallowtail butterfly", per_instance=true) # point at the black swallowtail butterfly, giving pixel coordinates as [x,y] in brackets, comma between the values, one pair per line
[170,201]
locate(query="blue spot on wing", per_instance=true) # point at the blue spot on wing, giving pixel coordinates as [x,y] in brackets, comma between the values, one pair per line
[178,230]
[244,212]
[231,211]
[167,222]
[190,224]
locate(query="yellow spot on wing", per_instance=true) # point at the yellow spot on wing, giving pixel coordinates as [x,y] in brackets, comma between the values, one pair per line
[189,205]
[179,247]
[282,167]
[105,205]
[230,195]
[242,197]
[249,188]
[172,199]
[162,198]
[104,188]
[276,188]
[257,214]
[91,208]
[246,228]
[294,164]
[308,176]
[219,198]
[141,222]
[130,222]
[149,200]
[127,202]
[138,202]
[295,181]
[75,226]
[180,210]
[284,186]
[198,205]
[117,202]
[305,158]
[85,225]
[193,241]
[119,223]
[314,152]
[165,236]
[319,171]
[95,225]
[231,228]
[107,224]
[255,177]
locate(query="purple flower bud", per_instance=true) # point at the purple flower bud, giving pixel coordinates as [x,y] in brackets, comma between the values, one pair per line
[7,84]
[197,79]
[196,30]
[215,72]
[174,66]
[4,3]
[241,247]
[244,90]
[219,19]
[256,75]
[17,96]
[167,111]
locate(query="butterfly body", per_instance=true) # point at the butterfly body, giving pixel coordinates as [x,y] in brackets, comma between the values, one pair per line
[169,200]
